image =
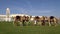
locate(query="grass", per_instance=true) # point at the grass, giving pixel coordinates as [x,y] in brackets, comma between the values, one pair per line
[9,28]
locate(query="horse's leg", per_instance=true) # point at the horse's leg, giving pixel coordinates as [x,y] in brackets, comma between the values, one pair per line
[49,23]
[23,22]
[20,23]
[15,22]
[35,22]
[55,23]
[43,22]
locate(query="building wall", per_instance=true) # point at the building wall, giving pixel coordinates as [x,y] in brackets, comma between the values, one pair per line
[11,17]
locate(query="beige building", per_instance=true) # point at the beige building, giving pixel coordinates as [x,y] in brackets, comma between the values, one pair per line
[11,16]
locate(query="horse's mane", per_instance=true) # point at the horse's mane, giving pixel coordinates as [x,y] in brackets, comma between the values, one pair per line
[17,17]
[51,17]
[37,17]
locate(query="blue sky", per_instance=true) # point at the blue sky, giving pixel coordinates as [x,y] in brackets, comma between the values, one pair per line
[31,7]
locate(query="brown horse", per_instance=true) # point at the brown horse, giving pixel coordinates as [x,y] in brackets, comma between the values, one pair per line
[52,20]
[25,19]
[43,20]
[17,20]
[21,19]
[37,20]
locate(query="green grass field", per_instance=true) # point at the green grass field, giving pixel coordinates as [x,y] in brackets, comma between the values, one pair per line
[9,28]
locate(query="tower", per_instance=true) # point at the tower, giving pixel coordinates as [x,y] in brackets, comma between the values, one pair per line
[7,14]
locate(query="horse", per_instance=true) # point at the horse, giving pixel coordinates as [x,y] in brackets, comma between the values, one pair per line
[37,20]
[43,20]
[17,20]
[25,20]
[22,19]
[52,20]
